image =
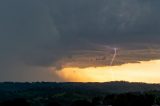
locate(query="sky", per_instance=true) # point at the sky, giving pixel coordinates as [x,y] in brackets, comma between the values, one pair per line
[74,40]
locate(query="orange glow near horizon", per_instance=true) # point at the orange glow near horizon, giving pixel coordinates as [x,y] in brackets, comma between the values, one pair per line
[145,71]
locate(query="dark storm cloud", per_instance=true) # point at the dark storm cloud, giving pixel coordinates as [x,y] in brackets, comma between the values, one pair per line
[44,33]
[107,21]
[127,24]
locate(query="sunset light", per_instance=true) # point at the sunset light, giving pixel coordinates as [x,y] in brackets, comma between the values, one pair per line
[145,71]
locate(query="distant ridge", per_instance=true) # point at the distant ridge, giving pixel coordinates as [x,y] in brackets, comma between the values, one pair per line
[113,87]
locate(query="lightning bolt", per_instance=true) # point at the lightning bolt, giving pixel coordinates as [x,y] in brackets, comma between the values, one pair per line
[111,63]
[114,56]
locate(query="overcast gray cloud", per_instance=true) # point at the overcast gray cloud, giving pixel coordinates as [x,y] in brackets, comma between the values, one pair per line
[47,33]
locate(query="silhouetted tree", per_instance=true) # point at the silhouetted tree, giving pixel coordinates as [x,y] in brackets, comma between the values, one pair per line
[157,100]
[16,102]
[133,100]
[81,103]
[97,101]
[109,100]
[53,103]
[149,100]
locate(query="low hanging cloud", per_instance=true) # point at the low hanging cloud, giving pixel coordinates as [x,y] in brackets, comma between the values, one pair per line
[82,33]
